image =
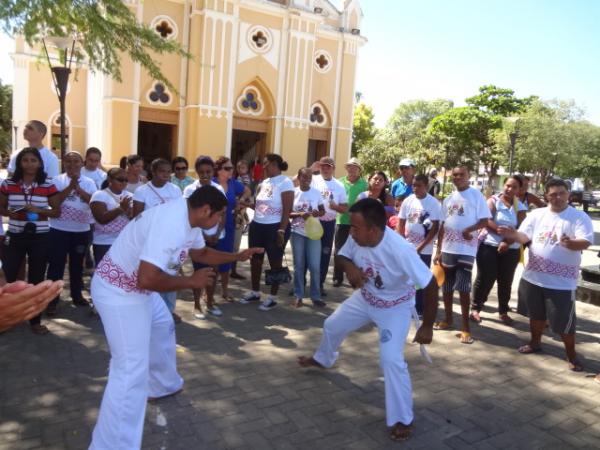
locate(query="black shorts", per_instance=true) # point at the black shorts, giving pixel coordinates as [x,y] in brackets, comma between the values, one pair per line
[557,305]
[265,236]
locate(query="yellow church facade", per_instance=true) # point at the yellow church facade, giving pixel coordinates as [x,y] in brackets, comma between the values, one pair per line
[264,76]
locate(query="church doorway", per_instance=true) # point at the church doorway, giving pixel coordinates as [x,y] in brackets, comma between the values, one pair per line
[247,145]
[156,140]
[318,144]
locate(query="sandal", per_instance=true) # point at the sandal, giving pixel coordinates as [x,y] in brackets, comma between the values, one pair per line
[400,432]
[229,298]
[575,365]
[297,303]
[442,325]
[465,337]
[475,317]
[528,349]
[39,329]
[506,319]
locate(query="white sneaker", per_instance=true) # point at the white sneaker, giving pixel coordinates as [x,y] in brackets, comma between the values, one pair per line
[199,315]
[215,311]
[268,304]
[249,297]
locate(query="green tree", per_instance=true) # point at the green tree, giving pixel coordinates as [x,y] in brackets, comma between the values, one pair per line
[106,30]
[363,127]
[498,101]
[5,119]
[465,134]
[380,154]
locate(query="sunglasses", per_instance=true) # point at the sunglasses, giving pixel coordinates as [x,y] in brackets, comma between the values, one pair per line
[121,180]
[228,168]
[181,168]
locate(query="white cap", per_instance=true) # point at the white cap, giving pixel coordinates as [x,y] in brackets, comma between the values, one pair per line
[406,162]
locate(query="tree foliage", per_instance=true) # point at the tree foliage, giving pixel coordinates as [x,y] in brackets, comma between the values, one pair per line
[5,119]
[363,127]
[105,31]
[498,101]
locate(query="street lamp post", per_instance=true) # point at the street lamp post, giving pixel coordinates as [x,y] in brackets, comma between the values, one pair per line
[60,78]
[513,140]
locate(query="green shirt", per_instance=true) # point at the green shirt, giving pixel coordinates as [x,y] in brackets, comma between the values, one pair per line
[352,191]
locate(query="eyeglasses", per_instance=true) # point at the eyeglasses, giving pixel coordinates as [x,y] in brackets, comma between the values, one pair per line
[180,168]
[121,180]
[228,168]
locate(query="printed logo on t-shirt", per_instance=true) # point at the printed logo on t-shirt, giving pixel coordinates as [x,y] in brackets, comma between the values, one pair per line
[372,272]
[547,237]
[266,192]
[456,209]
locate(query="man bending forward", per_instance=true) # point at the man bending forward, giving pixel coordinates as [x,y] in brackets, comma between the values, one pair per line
[384,268]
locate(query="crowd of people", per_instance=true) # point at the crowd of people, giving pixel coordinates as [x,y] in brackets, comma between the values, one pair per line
[387,237]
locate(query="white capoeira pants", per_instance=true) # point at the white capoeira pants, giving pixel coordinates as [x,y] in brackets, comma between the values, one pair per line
[393,325]
[141,337]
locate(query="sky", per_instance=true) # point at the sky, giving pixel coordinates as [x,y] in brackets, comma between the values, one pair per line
[428,49]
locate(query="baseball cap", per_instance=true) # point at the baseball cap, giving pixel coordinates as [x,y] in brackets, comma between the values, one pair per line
[327,160]
[406,162]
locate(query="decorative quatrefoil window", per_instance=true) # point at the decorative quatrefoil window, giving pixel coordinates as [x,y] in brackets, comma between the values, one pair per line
[318,117]
[164,26]
[259,39]
[250,102]
[322,61]
[159,95]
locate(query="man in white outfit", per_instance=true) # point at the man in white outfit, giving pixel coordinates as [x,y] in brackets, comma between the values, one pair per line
[143,261]
[385,295]
[34,133]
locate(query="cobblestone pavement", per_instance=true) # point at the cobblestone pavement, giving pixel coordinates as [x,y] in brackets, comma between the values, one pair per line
[243,388]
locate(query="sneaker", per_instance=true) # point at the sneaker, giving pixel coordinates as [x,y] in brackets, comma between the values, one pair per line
[215,311]
[319,304]
[199,315]
[268,304]
[249,298]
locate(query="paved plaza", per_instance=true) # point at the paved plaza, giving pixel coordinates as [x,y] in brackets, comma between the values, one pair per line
[243,388]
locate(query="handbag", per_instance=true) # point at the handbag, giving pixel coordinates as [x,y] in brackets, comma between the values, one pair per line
[278,276]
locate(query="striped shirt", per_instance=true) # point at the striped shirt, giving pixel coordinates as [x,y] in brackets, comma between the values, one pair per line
[19,195]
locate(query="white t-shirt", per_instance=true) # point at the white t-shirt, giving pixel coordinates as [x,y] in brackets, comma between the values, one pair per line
[416,211]
[105,234]
[391,279]
[97,176]
[269,206]
[174,237]
[460,210]
[50,163]
[189,190]
[75,214]
[550,265]
[304,201]
[330,190]
[151,196]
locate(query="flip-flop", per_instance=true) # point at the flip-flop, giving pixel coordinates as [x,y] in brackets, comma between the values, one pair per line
[506,319]
[442,325]
[575,365]
[465,337]
[528,349]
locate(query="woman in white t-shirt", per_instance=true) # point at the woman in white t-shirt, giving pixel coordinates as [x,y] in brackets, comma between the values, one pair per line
[270,228]
[135,166]
[70,233]
[307,252]
[157,192]
[112,210]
